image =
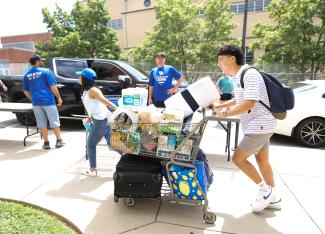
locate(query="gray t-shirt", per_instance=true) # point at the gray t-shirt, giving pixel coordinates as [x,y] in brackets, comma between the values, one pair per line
[258,120]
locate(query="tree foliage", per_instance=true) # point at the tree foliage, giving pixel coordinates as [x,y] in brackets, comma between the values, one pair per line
[298,35]
[82,33]
[189,33]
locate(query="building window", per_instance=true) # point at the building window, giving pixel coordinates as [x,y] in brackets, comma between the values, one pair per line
[259,6]
[115,24]
[253,6]
[234,8]
[241,8]
[28,45]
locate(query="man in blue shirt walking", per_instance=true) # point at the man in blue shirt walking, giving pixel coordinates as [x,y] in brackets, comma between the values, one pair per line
[39,86]
[160,82]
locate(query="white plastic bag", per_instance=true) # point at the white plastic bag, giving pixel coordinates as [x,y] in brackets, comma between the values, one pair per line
[123,119]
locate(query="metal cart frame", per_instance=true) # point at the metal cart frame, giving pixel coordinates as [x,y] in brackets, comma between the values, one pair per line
[167,193]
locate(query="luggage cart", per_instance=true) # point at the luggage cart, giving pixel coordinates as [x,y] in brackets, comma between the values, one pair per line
[188,136]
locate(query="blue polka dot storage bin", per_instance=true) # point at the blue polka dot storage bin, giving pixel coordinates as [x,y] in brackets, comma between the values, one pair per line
[184,183]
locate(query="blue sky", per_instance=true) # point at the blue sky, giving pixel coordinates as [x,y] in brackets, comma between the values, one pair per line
[24,16]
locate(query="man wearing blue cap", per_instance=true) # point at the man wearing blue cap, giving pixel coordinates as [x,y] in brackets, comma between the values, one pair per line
[96,106]
[39,86]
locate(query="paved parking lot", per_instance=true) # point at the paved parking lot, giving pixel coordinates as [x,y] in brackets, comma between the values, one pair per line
[51,179]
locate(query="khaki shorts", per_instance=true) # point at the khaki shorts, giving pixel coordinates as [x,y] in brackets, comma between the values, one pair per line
[254,143]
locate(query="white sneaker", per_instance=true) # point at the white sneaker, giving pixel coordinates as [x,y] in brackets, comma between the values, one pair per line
[263,199]
[276,202]
[88,172]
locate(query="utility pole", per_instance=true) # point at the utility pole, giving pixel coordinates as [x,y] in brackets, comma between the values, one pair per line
[126,44]
[243,43]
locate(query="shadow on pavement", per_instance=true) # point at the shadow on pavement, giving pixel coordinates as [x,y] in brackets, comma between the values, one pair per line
[78,187]
[22,155]
[18,152]
[120,219]
[259,226]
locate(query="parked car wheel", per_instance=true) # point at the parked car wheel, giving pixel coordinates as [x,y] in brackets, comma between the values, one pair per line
[21,117]
[311,132]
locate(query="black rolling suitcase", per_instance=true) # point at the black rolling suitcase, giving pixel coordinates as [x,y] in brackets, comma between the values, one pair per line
[137,177]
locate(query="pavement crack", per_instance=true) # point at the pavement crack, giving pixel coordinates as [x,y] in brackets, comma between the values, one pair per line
[296,198]
[132,229]
[181,225]
[160,203]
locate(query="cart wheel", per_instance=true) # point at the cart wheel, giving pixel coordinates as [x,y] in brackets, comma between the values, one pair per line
[116,199]
[129,202]
[209,217]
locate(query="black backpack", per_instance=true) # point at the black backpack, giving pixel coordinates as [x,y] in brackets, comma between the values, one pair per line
[281,97]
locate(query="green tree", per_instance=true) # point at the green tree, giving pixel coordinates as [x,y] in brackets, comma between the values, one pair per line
[298,35]
[189,33]
[216,31]
[82,33]
[176,33]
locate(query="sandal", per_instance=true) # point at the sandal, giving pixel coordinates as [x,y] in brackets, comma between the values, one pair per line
[88,172]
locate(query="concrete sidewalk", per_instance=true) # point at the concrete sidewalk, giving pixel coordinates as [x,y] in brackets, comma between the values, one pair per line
[51,179]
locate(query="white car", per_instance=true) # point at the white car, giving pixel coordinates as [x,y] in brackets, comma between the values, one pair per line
[306,121]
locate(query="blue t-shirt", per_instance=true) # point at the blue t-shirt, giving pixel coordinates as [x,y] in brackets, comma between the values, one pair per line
[161,78]
[38,82]
[226,84]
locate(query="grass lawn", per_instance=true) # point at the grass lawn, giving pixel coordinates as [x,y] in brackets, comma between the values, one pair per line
[22,219]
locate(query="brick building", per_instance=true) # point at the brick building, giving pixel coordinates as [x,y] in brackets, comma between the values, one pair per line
[16,50]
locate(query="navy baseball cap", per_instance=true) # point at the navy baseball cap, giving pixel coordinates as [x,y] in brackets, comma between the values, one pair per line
[88,73]
[34,58]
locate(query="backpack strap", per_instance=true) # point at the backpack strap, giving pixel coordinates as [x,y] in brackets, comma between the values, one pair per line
[243,74]
[242,84]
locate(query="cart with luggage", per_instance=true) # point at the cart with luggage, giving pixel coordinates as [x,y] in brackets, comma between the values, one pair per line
[159,160]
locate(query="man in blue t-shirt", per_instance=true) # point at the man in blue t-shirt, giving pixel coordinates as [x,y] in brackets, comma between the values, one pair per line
[39,86]
[160,83]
